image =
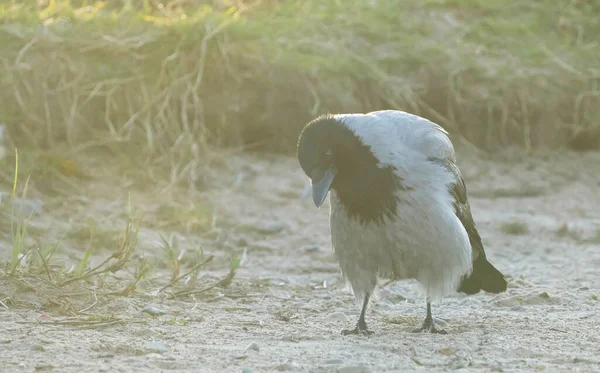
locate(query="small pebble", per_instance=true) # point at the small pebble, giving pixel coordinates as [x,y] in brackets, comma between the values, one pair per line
[247,370]
[286,366]
[156,347]
[447,351]
[312,248]
[354,369]
[269,227]
[496,368]
[153,311]
[334,361]
[238,179]
[38,348]
[253,347]
[337,316]
[320,286]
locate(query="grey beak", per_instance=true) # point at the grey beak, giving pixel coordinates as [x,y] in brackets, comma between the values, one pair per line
[321,179]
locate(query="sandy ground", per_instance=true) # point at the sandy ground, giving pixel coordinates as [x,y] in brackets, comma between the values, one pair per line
[540,221]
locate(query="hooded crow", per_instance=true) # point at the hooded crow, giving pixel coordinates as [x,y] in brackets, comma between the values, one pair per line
[399,206]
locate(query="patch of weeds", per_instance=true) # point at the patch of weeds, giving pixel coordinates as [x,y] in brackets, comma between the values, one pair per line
[59,305]
[174,255]
[398,320]
[91,322]
[570,232]
[564,231]
[18,223]
[141,271]
[225,282]
[525,191]
[113,263]
[515,228]
[34,291]
[285,315]
[192,275]
[38,260]
[176,322]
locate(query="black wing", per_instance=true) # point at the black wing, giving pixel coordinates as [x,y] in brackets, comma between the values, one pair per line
[484,275]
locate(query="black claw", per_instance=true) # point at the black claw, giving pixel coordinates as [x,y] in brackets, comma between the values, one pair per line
[429,327]
[361,325]
[356,331]
[361,328]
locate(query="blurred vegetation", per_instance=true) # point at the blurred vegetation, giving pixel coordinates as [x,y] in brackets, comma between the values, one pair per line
[178,77]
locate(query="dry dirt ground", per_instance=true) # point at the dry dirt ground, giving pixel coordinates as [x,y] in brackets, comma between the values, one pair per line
[539,217]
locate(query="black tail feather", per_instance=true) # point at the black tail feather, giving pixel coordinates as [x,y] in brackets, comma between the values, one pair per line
[484,277]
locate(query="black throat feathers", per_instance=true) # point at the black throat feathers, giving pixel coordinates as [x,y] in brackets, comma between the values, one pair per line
[366,189]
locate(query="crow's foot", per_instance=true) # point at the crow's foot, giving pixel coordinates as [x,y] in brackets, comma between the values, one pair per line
[429,327]
[361,328]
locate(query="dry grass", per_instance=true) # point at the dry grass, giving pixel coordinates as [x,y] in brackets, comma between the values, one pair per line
[166,81]
[89,243]
[516,228]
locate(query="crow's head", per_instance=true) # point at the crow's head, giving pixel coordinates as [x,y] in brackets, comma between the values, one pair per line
[316,146]
[334,156]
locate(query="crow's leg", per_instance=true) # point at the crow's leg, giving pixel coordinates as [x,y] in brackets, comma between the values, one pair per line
[428,325]
[361,325]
